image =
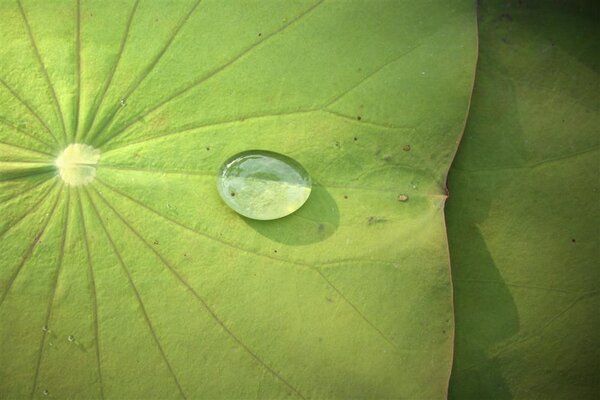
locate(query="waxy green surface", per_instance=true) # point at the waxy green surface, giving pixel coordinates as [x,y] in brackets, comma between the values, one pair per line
[141,283]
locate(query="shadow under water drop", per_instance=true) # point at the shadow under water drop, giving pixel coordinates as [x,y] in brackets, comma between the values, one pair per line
[315,221]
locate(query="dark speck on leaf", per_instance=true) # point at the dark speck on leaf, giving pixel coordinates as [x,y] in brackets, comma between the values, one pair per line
[232,194]
[355,139]
[375,220]
[406,147]
[260,34]
[156,242]
[329,299]
[573,240]
[274,251]
[359,117]
[207,148]
[345,196]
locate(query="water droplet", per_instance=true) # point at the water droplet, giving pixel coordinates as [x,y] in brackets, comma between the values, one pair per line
[263,185]
[402,197]
[46,392]
[71,338]
[122,102]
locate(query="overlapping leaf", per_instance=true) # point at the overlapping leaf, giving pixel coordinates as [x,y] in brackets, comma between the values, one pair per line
[524,211]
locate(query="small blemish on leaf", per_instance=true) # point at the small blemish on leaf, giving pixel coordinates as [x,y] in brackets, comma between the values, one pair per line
[156,242]
[406,147]
[345,196]
[355,139]
[573,240]
[375,220]
[358,117]
[232,194]
[402,197]
[259,34]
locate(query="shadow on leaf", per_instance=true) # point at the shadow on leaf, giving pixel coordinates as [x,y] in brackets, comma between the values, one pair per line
[315,221]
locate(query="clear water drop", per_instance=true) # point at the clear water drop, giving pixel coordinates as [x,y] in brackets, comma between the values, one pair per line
[122,102]
[263,185]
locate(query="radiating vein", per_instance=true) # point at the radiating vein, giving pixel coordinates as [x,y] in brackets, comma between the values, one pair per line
[211,74]
[44,71]
[93,292]
[78,67]
[518,285]
[29,251]
[29,189]
[117,167]
[132,88]
[363,122]
[137,295]
[52,294]
[191,127]
[42,153]
[205,305]
[32,112]
[323,108]
[371,74]
[233,246]
[33,208]
[97,104]
[532,165]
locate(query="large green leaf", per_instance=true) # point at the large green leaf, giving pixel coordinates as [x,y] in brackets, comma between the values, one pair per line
[523,218]
[143,284]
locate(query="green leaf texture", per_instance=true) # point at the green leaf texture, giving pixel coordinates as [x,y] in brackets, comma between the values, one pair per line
[525,205]
[142,283]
